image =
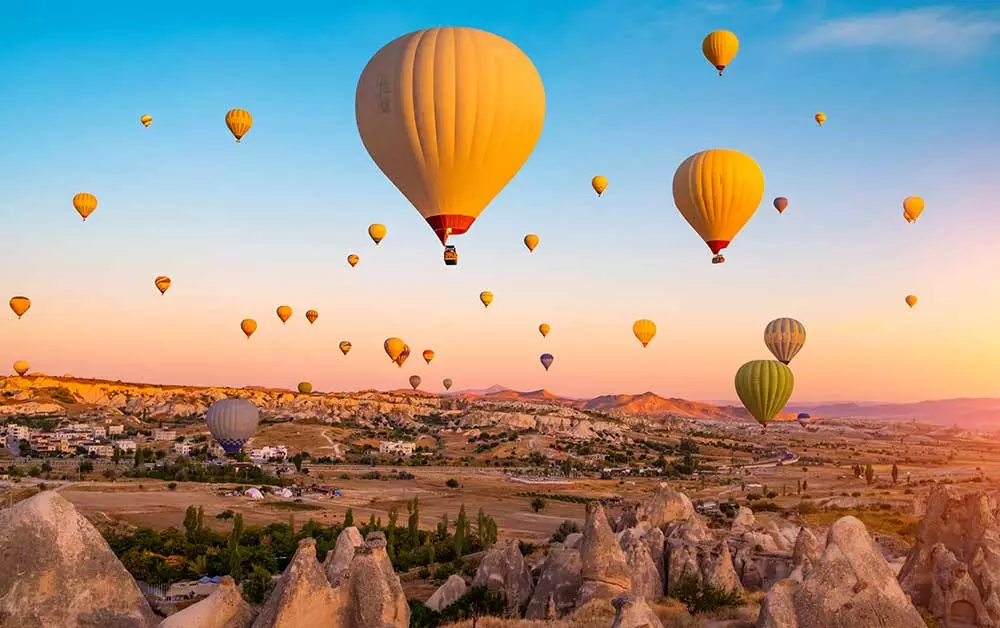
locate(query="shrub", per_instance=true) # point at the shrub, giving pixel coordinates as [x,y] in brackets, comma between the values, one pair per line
[172,486]
[537,504]
[565,529]
[704,598]
[225,514]
[807,507]
[257,585]
[451,483]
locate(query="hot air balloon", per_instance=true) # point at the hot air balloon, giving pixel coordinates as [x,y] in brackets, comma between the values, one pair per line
[162,283]
[764,387]
[21,367]
[353,260]
[644,329]
[717,191]
[803,418]
[428,355]
[146,120]
[446,382]
[393,348]
[720,47]
[421,107]
[820,118]
[911,300]
[249,326]
[376,232]
[305,388]
[311,316]
[913,206]
[599,183]
[546,359]
[84,203]
[486,297]
[531,241]
[232,422]
[345,346]
[284,313]
[405,353]
[20,305]
[414,381]
[780,204]
[239,122]
[784,338]
[544,329]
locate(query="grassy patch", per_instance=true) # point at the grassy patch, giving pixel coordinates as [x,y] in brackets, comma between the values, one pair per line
[880,521]
[290,506]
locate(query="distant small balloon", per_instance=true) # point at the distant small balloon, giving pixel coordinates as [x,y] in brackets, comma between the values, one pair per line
[239,122]
[84,203]
[913,206]
[21,367]
[284,313]
[20,305]
[311,316]
[486,297]
[428,355]
[146,120]
[353,260]
[345,346]
[531,241]
[644,329]
[911,300]
[546,359]
[162,283]
[599,183]
[820,118]
[305,388]
[447,383]
[376,232]
[780,204]
[544,329]
[414,381]
[249,326]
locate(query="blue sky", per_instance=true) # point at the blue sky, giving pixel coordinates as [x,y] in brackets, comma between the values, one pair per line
[907,87]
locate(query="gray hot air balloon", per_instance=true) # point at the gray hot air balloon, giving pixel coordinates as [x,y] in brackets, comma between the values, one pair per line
[784,337]
[232,422]
[414,381]
[447,383]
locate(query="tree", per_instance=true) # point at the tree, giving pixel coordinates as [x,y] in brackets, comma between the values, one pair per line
[297,461]
[349,518]
[235,560]
[461,531]
[86,467]
[798,487]
[486,529]
[869,474]
[451,483]
[390,533]
[805,485]
[857,470]
[413,523]
[537,504]
[895,473]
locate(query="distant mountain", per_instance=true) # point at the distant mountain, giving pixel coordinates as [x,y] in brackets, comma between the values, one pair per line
[495,388]
[978,413]
[651,404]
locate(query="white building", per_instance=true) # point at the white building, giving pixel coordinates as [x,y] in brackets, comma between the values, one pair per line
[20,432]
[116,430]
[217,451]
[79,427]
[98,432]
[99,450]
[182,449]
[270,452]
[397,447]
[127,446]
[167,435]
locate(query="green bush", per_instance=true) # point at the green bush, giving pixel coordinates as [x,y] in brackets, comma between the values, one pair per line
[451,483]
[257,585]
[704,598]
[565,529]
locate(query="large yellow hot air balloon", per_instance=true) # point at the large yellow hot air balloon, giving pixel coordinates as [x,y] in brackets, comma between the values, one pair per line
[393,348]
[311,316]
[249,326]
[644,329]
[21,367]
[239,122]
[20,305]
[913,206]
[486,297]
[531,241]
[353,260]
[450,115]
[405,353]
[284,313]
[911,300]
[84,203]
[599,183]
[146,120]
[717,191]
[544,329]
[428,355]
[820,118]
[784,338]
[764,387]
[720,47]
[345,346]
[376,232]
[162,283]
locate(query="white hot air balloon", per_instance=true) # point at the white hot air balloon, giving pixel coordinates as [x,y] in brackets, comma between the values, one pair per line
[232,422]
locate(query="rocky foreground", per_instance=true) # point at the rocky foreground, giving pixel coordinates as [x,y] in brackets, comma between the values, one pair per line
[57,570]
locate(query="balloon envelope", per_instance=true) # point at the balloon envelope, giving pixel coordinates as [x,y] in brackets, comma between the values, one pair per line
[305,388]
[599,183]
[546,359]
[414,381]
[20,305]
[447,383]
[21,367]
[764,387]
[345,346]
[531,241]
[239,122]
[486,297]
[544,329]
[428,355]
[284,313]
[780,203]
[644,329]
[232,422]
[311,316]
[784,338]
[249,326]
[162,283]
[393,348]
[376,232]
[720,48]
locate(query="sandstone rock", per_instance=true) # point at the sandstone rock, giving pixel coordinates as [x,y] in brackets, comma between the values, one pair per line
[717,569]
[57,570]
[604,568]
[557,586]
[338,560]
[376,598]
[224,608]
[573,540]
[303,596]
[645,578]
[447,593]
[954,596]
[691,530]
[656,543]
[850,586]
[744,521]
[632,611]
[502,570]
[665,506]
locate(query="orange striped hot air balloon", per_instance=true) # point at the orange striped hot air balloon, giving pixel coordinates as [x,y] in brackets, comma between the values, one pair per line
[421,107]
[345,346]
[311,316]
[162,283]
[353,260]
[428,355]
[249,326]
[239,122]
[84,203]
[644,329]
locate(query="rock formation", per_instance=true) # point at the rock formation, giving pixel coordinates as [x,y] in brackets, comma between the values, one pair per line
[303,596]
[224,608]
[850,586]
[632,612]
[446,595]
[57,570]
[646,581]
[604,568]
[558,584]
[953,569]
[503,571]
[376,597]
[665,506]
[338,560]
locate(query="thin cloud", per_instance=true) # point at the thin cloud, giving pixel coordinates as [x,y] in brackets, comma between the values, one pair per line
[940,29]
[721,7]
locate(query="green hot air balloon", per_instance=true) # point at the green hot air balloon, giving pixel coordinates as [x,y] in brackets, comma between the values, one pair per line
[305,388]
[764,387]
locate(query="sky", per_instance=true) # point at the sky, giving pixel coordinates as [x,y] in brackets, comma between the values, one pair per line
[913,108]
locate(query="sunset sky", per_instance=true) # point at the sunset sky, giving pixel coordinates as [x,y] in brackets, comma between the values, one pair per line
[909,89]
